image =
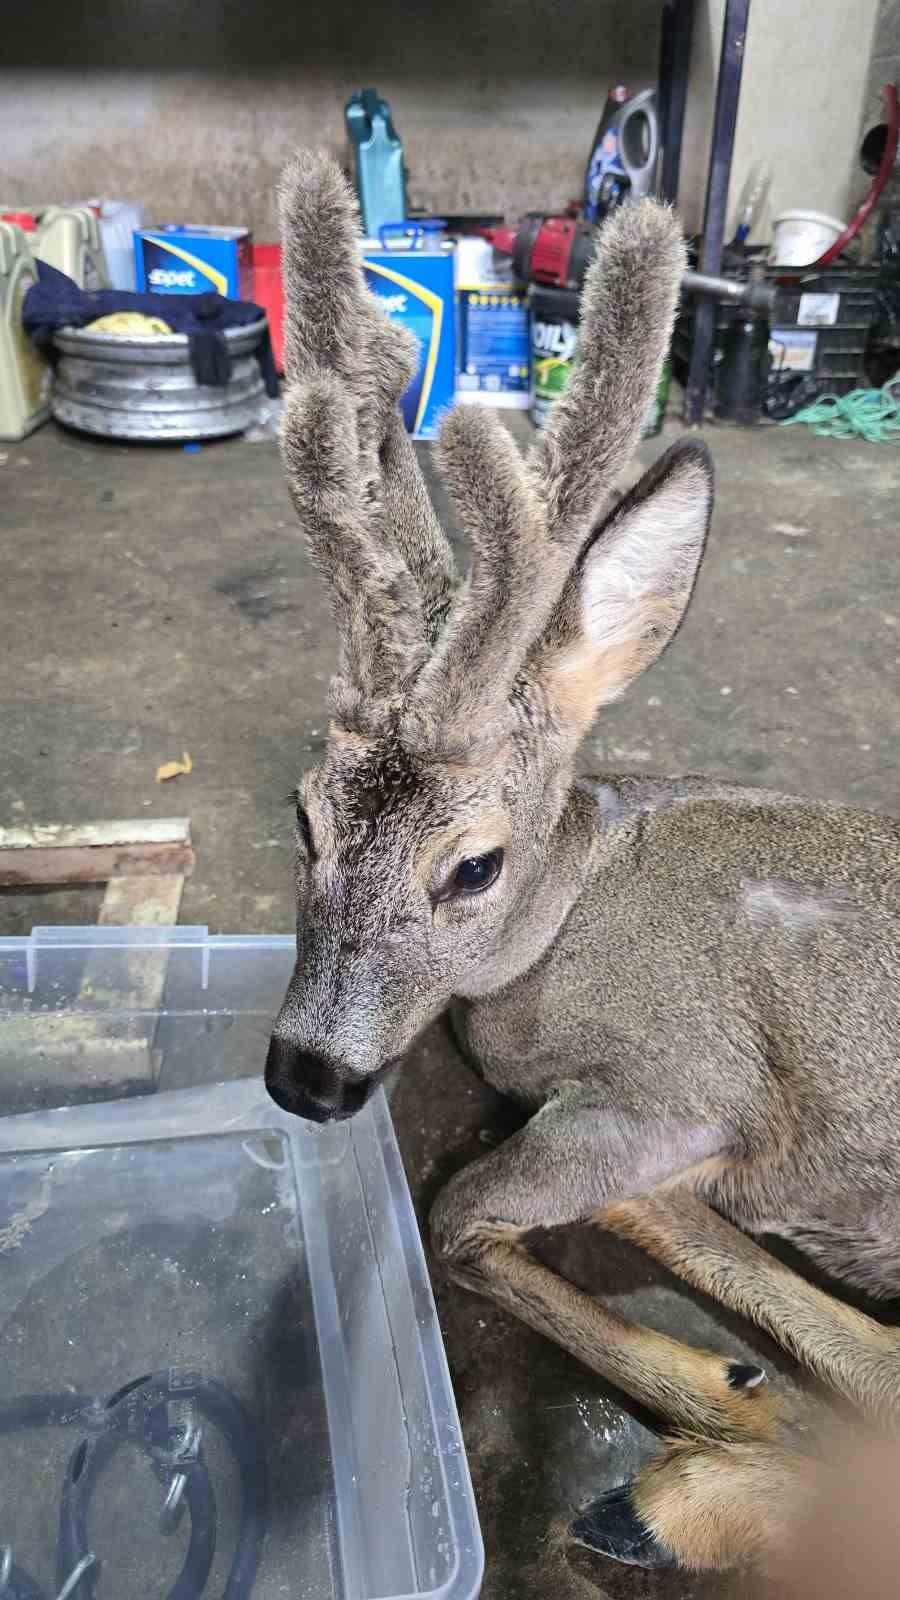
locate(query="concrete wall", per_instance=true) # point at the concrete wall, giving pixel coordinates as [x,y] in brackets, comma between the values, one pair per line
[191,108]
[805,72]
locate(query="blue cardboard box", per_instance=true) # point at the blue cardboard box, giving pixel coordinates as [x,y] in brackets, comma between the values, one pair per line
[193,260]
[416,288]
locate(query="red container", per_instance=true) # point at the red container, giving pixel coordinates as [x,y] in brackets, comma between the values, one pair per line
[269,293]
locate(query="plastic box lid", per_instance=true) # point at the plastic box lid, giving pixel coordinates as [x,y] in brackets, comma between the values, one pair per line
[217,1319]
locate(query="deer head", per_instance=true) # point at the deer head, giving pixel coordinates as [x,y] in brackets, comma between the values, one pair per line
[434,852]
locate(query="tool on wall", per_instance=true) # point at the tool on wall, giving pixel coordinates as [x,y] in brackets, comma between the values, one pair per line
[552,250]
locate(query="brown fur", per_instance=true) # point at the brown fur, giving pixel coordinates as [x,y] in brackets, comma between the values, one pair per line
[856,1356]
[693,987]
[716,1505]
[814,1526]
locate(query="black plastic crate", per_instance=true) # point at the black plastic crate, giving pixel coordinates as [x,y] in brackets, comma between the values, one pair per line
[824,319]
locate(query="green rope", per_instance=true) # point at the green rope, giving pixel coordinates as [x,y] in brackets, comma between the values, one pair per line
[872,414]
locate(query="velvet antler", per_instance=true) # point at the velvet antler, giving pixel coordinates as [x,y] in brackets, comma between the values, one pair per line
[528,520]
[350,467]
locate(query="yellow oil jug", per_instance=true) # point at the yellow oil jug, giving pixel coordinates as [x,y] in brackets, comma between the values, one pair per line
[69,239]
[24,373]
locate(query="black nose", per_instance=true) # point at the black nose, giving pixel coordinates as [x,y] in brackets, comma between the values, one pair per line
[313,1086]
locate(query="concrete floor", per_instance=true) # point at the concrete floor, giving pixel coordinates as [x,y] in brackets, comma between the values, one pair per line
[156,601]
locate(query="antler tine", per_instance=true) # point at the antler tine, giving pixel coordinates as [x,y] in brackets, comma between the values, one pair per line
[344,386]
[325,304]
[627,313]
[409,518]
[528,521]
[375,601]
[475,661]
[377,541]
[332,323]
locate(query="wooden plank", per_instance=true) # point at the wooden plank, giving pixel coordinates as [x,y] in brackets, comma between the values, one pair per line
[143,901]
[96,835]
[107,1043]
[138,978]
[38,866]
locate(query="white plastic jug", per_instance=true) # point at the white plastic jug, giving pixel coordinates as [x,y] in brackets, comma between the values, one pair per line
[120,220]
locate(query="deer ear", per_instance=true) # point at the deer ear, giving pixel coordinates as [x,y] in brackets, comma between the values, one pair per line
[631,587]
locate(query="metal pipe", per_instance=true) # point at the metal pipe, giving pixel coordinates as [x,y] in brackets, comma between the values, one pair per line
[674,67]
[755,296]
[728,88]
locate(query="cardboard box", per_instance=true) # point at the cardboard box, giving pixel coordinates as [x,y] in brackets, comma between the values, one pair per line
[415,288]
[193,260]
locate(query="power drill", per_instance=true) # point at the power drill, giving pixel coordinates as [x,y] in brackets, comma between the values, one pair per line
[555,250]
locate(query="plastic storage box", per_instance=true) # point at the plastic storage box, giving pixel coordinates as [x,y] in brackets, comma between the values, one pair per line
[820,324]
[220,1363]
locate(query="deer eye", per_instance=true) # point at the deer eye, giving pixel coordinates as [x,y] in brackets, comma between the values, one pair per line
[304,830]
[477,873]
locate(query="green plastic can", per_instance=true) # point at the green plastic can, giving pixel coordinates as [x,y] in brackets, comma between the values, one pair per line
[656,415]
[554,339]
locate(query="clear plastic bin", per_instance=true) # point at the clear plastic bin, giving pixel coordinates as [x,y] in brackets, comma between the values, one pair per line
[216,1319]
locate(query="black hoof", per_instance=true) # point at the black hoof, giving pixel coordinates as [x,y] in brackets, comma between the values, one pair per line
[612,1526]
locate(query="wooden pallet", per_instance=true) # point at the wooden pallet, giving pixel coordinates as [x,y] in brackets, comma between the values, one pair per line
[106,1038]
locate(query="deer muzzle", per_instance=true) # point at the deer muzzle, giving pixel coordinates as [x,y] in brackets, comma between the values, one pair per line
[314,1086]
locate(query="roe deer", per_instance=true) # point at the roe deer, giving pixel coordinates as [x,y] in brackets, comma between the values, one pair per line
[692,986]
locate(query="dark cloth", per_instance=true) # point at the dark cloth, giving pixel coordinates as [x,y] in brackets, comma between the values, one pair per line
[210,358]
[56,301]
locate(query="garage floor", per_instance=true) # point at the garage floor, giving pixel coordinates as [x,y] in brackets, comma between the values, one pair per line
[155,601]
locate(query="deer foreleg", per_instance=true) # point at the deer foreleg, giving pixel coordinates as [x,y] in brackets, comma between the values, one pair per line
[571,1159]
[850,1352]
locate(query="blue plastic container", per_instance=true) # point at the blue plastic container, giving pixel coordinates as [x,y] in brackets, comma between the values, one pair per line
[380,179]
[426,234]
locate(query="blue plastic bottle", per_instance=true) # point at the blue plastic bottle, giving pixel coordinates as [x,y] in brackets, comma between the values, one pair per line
[380,179]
